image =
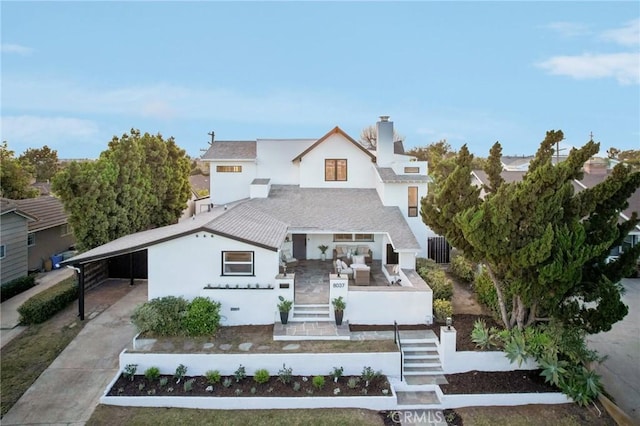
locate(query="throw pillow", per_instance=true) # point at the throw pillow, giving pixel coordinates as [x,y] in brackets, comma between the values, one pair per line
[358,260]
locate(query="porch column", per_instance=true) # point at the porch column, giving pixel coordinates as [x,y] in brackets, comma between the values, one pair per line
[81,291]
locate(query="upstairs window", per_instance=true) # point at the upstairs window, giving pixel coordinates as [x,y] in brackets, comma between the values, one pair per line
[342,238]
[413,201]
[65,229]
[335,169]
[412,169]
[237,263]
[229,169]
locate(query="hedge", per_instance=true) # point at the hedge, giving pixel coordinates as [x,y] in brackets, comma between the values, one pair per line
[44,305]
[17,286]
[462,268]
[442,309]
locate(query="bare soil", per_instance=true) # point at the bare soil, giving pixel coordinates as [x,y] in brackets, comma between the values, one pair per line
[517,381]
[141,386]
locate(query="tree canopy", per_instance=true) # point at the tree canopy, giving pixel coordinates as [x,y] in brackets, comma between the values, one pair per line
[544,246]
[43,162]
[140,182]
[15,180]
[369,136]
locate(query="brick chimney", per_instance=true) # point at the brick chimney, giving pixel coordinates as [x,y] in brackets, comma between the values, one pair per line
[384,147]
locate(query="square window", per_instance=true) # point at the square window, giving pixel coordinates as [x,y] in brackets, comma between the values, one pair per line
[237,263]
[335,170]
[31,239]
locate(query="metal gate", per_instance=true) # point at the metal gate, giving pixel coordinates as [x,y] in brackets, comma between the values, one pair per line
[439,249]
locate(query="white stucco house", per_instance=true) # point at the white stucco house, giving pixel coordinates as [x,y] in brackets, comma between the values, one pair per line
[273,203]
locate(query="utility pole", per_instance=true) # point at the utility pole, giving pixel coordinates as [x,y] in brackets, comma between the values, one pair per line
[213,135]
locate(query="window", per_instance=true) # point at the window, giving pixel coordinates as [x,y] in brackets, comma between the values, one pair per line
[412,169]
[335,170]
[413,201]
[31,239]
[3,251]
[363,237]
[237,263]
[341,238]
[229,169]
[65,229]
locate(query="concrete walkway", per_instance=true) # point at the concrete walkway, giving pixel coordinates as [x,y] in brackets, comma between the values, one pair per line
[9,316]
[68,391]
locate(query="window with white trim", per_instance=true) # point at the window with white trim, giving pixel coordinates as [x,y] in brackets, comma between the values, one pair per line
[31,239]
[3,251]
[237,263]
[413,201]
[341,238]
[65,230]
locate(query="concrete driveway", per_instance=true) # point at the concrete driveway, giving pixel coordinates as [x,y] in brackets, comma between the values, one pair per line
[621,370]
[68,391]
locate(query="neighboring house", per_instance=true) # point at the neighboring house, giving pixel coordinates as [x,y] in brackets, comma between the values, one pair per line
[49,234]
[13,237]
[278,199]
[199,199]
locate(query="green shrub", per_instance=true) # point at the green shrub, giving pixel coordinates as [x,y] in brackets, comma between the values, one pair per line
[202,317]
[213,376]
[423,263]
[152,373]
[462,268]
[442,309]
[46,304]
[261,376]
[240,373]
[318,382]
[171,310]
[486,292]
[441,285]
[146,318]
[16,286]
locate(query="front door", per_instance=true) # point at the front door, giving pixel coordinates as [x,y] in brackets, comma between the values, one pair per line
[392,256]
[300,246]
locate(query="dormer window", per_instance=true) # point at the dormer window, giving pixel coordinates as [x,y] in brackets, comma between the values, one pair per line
[335,169]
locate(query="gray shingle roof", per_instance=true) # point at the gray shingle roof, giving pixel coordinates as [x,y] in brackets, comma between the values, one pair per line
[199,182]
[389,176]
[231,150]
[48,210]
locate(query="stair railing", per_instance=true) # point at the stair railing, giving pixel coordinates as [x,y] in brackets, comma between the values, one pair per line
[398,342]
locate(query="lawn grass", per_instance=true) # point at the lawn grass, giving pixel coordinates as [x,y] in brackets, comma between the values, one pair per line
[110,415]
[23,359]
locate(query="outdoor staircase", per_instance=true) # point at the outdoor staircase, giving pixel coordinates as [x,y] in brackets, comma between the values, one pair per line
[310,312]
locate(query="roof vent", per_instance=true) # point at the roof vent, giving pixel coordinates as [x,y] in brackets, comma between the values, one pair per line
[384,118]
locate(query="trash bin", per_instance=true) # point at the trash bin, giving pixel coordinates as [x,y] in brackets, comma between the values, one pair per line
[55,260]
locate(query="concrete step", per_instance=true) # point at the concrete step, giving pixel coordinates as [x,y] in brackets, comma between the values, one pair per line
[425,371]
[420,354]
[417,398]
[422,363]
[418,341]
[419,345]
[421,380]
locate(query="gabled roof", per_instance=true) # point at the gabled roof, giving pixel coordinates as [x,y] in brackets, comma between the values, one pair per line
[199,182]
[335,130]
[389,176]
[231,150]
[10,206]
[48,211]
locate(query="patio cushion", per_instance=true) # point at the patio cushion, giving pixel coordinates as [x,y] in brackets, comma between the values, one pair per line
[363,250]
[358,260]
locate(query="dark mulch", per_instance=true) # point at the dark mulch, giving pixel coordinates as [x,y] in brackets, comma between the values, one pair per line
[463,323]
[518,381]
[274,387]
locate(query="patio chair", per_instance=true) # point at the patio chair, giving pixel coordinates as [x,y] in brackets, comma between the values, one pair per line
[288,259]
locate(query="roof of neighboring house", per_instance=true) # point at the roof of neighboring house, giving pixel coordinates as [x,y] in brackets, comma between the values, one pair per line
[389,176]
[10,206]
[199,182]
[336,130]
[43,187]
[265,222]
[47,210]
[231,150]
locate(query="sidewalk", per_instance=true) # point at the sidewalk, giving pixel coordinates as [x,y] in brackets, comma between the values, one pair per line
[9,317]
[68,391]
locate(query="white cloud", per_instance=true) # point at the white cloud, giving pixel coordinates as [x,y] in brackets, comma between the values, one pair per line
[15,48]
[624,67]
[627,35]
[569,29]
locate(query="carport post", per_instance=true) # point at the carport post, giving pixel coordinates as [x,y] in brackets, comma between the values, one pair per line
[81,295]
[131,268]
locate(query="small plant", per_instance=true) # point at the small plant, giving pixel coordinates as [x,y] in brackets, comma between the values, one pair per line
[253,390]
[270,389]
[284,305]
[163,382]
[336,373]
[152,373]
[140,387]
[169,389]
[240,373]
[296,386]
[336,391]
[181,370]
[339,304]
[483,337]
[120,390]
[364,391]
[227,383]
[188,385]
[318,382]
[261,376]
[151,391]
[368,375]
[213,376]
[130,371]
[323,248]
[285,374]
[352,383]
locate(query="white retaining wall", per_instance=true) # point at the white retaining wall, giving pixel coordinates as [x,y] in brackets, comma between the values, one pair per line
[303,364]
[503,399]
[384,307]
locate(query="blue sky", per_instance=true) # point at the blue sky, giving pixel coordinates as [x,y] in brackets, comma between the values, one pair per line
[76,73]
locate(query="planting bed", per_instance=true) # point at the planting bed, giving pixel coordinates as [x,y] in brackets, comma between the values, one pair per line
[272,388]
[479,382]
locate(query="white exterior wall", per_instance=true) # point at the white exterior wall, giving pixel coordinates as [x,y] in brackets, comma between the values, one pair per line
[360,168]
[275,159]
[385,307]
[228,187]
[184,266]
